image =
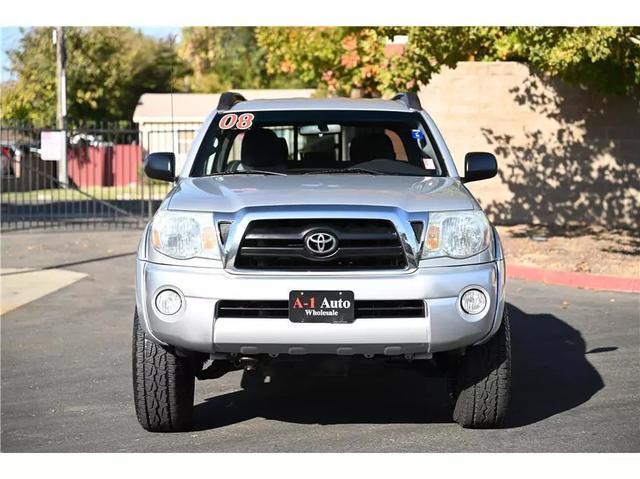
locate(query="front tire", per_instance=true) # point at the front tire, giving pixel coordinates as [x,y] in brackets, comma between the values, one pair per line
[163,384]
[480,383]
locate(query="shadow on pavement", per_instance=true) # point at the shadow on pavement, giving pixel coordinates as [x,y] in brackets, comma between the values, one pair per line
[389,398]
[551,372]
[70,263]
[550,375]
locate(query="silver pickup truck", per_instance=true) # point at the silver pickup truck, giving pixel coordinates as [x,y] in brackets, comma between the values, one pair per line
[307,232]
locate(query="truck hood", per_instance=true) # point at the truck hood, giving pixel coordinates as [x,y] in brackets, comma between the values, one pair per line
[228,194]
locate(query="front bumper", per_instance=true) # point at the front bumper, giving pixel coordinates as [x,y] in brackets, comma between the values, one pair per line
[195,327]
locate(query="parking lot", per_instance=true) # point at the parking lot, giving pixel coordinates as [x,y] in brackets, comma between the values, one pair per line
[66,375]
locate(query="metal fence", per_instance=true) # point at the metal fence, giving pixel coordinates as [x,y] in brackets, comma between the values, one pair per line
[104,185]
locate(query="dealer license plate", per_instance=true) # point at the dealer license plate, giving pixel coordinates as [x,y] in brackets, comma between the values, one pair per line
[321,306]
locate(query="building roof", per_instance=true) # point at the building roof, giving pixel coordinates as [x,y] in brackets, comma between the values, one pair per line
[194,107]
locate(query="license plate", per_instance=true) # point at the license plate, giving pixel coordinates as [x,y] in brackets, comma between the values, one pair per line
[321,306]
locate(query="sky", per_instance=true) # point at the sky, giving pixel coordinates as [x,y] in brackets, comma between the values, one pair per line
[10,38]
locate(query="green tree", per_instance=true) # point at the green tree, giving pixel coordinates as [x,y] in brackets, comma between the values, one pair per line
[606,59]
[108,68]
[223,58]
[343,59]
[428,49]
[340,60]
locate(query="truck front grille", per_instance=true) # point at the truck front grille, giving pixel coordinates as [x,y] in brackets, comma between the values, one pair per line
[280,309]
[362,244]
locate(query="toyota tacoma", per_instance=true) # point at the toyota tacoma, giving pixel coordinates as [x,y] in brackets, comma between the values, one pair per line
[317,231]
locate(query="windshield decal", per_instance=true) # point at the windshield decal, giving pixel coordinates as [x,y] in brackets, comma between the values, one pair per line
[428,163]
[228,121]
[417,134]
[240,122]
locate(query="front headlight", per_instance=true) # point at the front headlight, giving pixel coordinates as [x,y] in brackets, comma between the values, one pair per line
[457,234]
[184,235]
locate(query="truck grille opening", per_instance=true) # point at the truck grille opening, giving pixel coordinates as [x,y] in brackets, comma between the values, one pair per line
[280,309]
[362,244]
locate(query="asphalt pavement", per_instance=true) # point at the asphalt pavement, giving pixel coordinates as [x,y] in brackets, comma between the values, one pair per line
[66,375]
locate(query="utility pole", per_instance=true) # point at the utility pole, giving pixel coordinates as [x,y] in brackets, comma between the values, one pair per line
[61,110]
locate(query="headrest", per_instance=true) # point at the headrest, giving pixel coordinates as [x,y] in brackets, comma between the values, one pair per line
[284,148]
[261,148]
[371,146]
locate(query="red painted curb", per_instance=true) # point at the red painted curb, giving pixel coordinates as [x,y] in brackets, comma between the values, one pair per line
[576,280]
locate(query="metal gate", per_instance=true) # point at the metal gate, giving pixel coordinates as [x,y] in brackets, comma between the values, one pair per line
[104,187]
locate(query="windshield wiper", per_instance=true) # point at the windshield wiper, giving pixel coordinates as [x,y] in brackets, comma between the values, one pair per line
[252,172]
[353,169]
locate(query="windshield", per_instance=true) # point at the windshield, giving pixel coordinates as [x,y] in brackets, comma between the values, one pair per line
[318,142]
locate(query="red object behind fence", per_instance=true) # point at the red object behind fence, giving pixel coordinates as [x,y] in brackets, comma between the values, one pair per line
[115,165]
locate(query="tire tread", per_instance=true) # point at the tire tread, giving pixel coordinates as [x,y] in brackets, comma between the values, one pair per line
[480,385]
[163,385]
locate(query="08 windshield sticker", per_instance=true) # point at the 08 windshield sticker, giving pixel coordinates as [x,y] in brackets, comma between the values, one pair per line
[240,122]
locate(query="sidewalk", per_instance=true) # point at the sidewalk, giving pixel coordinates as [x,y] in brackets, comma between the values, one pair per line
[20,286]
[39,263]
[600,260]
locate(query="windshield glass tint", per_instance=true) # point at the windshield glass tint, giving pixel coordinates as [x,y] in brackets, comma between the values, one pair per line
[312,142]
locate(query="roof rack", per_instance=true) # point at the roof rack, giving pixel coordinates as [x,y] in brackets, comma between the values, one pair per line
[228,99]
[410,99]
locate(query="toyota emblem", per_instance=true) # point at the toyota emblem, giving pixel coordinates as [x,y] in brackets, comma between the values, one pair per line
[321,243]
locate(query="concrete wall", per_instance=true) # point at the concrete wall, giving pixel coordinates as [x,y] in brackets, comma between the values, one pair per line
[566,156]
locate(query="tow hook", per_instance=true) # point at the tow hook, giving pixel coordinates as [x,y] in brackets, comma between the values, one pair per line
[247,363]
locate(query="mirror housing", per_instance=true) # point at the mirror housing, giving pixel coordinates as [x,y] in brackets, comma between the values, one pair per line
[160,166]
[479,166]
[319,130]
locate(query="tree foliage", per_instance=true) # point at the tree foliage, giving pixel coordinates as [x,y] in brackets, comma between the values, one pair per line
[343,60]
[606,59]
[108,69]
[223,58]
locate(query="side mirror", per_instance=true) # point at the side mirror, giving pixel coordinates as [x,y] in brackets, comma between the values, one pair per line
[160,166]
[479,166]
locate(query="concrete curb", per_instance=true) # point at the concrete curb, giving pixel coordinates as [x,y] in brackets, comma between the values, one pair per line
[575,280]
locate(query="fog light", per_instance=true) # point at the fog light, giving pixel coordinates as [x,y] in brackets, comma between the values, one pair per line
[473,301]
[168,302]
